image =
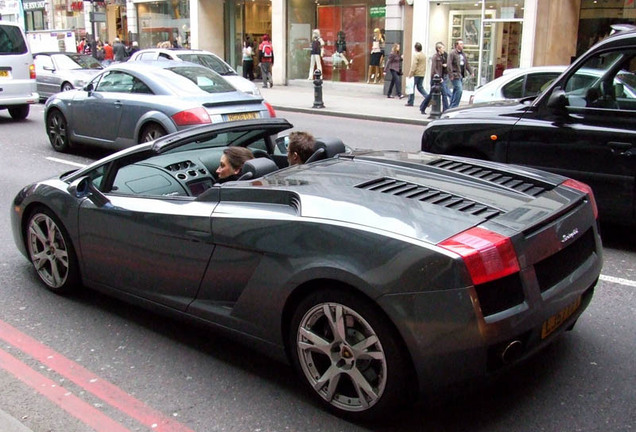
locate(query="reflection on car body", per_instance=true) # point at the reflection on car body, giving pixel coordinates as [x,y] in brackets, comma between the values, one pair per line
[378,275]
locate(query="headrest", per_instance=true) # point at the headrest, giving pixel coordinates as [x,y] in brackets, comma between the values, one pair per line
[258,167]
[326,148]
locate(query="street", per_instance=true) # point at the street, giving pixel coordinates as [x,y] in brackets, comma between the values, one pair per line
[89,362]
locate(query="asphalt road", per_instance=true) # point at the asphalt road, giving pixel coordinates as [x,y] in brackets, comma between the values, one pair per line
[65,360]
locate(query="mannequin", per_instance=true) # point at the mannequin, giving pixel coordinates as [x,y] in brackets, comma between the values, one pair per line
[341,50]
[317,45]
[375,74]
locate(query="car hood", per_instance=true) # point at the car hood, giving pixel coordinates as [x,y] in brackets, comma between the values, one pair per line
[423,196]
[506,108]
[83,74]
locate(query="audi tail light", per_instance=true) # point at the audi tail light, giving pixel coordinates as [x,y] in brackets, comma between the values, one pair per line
[194,116]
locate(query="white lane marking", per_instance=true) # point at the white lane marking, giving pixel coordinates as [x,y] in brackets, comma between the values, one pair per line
[62,161]
[617,280]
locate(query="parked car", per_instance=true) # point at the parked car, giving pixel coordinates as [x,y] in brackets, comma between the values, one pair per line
[581,126]
[378,275]
[204,58]
[517,83]
[63,71]
[129,103]
[17,72]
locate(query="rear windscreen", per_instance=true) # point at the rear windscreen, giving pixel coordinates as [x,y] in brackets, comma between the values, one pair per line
[11,40]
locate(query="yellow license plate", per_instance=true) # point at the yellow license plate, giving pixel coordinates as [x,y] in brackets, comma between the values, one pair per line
[552,323]
[4,74]
[242,116]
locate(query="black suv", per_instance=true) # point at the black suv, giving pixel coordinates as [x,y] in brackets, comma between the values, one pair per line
[582,126]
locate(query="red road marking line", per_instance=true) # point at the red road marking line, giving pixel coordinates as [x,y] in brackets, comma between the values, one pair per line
[90,382]
[60,396]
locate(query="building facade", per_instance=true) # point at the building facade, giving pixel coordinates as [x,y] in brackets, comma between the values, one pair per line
[497,34]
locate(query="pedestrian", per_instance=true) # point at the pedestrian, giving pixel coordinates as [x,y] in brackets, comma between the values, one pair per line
[109,56]
[99,51]
[266,60]
[119,51]
[393,66]
[80,45]
[439,67]
[417,72]
[248,59]
[134,47]
[315,59]
[458,69]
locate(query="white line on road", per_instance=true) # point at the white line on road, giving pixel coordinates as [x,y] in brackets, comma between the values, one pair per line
[616,280]
[75,164]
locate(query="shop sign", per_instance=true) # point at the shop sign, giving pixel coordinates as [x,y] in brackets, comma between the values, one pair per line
[377,11]
[34,5]
[97,17]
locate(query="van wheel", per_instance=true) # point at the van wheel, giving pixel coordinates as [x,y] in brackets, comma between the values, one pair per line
[19,112]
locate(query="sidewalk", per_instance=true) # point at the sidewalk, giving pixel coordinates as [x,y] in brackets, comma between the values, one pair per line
[362,101]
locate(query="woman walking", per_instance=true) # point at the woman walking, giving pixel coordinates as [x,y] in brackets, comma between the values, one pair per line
[393,65]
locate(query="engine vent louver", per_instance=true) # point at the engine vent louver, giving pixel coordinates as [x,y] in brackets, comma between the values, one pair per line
[429,195]
[511,181]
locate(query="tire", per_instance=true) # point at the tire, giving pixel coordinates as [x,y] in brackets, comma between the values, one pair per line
[51,252]
[66,86]
[57,130]
[361,375]
[19,112]
[151,132]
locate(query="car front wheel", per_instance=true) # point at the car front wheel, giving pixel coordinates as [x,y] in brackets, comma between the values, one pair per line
[57,129]
[348,355]
[51,251]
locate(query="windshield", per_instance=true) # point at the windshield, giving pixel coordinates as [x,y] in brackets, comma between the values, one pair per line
[209,61]
[76,61]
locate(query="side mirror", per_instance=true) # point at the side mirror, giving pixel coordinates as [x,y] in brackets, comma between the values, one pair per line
[49,68]
[84,188]
[558,100]
[88,87]
[282,143]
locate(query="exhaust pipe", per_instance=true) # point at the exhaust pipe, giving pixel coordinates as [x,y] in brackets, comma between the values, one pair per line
[512,352]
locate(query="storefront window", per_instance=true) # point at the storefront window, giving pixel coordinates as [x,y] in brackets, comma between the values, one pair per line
[253,19]
[354,20]
[165,23]
[491,32]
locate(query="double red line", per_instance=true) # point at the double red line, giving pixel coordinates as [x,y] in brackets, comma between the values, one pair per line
[85,379]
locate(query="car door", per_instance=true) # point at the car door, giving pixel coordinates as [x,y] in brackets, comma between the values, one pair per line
[97,113]
[46,78]
[150,239]
[584,129]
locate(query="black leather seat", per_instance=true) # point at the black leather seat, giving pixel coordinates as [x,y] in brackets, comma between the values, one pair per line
[326,148]
[258,167]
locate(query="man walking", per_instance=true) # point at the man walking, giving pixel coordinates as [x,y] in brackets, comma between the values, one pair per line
[119,51]
[266,60]
[418,71]
[439,67]
[458,68]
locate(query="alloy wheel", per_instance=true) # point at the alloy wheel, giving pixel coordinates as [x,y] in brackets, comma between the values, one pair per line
[48,250]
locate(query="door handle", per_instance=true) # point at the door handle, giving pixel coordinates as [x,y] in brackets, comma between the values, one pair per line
[621,148]
[118,104]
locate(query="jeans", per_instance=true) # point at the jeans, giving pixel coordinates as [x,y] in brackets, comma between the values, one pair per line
[445,96]
[248,69]
[458,89]
[395,80]
[419,80]
[266,73]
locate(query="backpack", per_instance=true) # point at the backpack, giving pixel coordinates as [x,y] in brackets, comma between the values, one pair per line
[268,52]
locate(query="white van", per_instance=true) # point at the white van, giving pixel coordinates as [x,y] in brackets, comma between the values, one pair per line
[17,72]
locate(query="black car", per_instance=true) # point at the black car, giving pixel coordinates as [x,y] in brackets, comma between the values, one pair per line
[578,127]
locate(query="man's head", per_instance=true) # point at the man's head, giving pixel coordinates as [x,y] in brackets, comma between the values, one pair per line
[301,146]
[459,44]
[418,46]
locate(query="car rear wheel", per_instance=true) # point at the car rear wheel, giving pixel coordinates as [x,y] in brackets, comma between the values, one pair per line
[19,112]
[151,132]
[347,354]
[57,129]
[67,86]
[51,252]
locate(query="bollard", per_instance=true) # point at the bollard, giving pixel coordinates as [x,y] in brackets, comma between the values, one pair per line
[318,89]
[436,97]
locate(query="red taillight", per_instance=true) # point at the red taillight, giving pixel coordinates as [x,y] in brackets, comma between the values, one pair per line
[191,117]
[582,187]
[487,255]
[270,108]
[31,71]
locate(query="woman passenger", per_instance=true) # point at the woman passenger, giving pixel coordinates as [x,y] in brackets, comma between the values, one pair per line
[231,163]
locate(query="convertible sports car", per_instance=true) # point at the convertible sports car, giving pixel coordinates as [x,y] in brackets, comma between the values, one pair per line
[379,275]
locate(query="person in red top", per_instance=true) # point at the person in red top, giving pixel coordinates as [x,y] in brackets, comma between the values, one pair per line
[108,53]
[266,59]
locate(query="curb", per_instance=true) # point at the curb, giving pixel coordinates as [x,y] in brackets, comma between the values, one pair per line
[11,424]
[327,112]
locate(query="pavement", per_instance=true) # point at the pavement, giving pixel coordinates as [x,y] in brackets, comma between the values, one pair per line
[362,101]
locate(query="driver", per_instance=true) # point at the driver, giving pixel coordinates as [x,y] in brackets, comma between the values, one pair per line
[231,163]
[301,146]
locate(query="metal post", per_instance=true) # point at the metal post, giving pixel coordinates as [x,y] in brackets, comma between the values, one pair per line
[436,97]
[318,89]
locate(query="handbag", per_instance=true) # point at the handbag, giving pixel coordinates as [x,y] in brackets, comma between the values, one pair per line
[410,85]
